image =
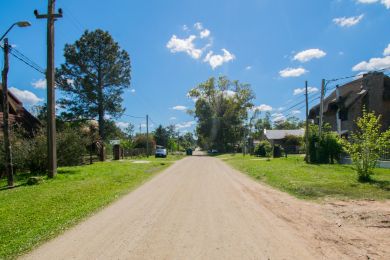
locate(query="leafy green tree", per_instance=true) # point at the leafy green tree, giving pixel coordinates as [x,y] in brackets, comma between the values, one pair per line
[188,140]
[366,144]
[161,136]
[221,110]
[95,73]
[263,123]
[288,124]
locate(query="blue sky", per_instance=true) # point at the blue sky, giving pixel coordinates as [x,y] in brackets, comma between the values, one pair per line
[275,45]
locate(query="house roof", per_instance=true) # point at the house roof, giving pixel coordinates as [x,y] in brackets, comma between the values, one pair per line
[349,94]
[280,134]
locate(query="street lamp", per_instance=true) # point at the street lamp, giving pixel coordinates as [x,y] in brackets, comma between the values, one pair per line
[19,24]
[7,143]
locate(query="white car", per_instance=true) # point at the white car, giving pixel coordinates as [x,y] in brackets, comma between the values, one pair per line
[161,152]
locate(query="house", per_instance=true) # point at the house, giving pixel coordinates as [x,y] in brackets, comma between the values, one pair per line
[278,138]
[345,104]
[18,114]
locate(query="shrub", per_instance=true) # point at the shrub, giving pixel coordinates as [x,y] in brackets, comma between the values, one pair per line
[324,149]
[366,144]
[263,149]
[71,147]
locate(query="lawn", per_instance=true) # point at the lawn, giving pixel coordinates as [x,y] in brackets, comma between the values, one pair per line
[309,181]
[30,215]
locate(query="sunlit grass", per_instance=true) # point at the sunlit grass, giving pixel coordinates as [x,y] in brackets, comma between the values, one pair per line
[312,181]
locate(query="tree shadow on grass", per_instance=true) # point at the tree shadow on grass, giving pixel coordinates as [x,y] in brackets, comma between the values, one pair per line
[68,171]
[384,185]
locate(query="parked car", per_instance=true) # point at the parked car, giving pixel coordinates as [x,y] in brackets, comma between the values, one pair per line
[161,152]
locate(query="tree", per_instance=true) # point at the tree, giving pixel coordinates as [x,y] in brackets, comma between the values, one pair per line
[95,73]
[188,140]
[221,110]
[261,124]
[288,124]
[366,144]
[161,135]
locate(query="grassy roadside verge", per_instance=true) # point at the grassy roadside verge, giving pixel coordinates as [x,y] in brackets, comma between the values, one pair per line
[30,215]
[310,181]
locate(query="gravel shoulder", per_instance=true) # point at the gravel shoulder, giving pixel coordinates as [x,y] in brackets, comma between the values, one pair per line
[201,208]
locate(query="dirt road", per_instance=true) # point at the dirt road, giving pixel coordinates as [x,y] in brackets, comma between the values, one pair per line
[200,208]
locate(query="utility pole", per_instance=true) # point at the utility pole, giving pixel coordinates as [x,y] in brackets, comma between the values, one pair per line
[51,16]
[307,123]
[338,120]
[321,107]
[147,136]
[7,143]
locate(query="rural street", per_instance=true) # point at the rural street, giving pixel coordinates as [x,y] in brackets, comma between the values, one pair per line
[200,208]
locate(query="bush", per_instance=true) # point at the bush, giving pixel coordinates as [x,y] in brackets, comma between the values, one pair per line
[71,147]
[29,154]
[366,145]
[263,149]
[325,149]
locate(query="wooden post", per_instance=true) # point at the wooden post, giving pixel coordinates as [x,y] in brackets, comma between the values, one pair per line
[7,143]
[147,136]
[307,123]
[51,16]
[321,107]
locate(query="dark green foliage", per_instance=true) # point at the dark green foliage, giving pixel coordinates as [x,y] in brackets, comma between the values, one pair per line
[288,124]
[161,136]
[263,149]
[140,141]
[71,147]
[324,149]
[34,180]
[30,153]
[95,73]
[221,110]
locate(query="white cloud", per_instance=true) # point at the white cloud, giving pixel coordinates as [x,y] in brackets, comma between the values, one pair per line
[27,97]
[216,60]
[277,117]
[373,64]
[384,2]
[248,67]
[185,28]
[307,55]
[39,84]
[172,118]
[263,108]
[198,26]
[348,21]
[386,52]
[122,125]
[296,112]
[185,124]
[229,93]
[184,45]
[132,90]
[292,72]
[205,33]
[179,108]
[310,90]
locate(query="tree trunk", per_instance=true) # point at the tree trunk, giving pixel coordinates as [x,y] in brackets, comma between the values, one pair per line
[102,155]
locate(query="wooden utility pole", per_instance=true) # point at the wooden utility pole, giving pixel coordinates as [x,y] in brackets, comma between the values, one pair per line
[321,107]
[147,135]
[7,143]
[50,79]
[307,123]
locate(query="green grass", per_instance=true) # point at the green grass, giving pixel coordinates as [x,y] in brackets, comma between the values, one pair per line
[310,181]
[30,215]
